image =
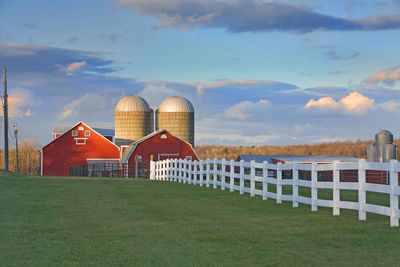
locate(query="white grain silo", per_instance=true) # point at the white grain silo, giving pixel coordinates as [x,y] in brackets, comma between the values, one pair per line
[176,115]
[133,118]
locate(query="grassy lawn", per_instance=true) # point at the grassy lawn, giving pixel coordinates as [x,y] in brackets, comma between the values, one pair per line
[113,222]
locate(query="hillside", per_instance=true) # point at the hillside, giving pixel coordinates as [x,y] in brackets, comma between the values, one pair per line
[124,222]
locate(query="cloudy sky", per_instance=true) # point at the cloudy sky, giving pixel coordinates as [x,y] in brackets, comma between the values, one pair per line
[257,72]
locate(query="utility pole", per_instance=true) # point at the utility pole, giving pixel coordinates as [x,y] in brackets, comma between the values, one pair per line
[16,145]
[5,108]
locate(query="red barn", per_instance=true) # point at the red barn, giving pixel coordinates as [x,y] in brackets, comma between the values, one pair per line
[78,145]
[161,145]
[81,144]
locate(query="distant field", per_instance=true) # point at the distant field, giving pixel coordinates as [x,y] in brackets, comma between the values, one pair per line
[113,222]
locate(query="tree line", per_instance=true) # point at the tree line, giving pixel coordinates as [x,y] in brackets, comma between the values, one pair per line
[28,157]
[356,149]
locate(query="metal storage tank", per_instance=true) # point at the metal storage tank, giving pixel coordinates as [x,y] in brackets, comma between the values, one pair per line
[382,138]
[176,115]
[133,118]
[389,152]
[371,153]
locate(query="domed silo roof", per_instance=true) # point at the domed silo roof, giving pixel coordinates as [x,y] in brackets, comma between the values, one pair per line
[132,103]
[133,118]
[176,104]
[176,115]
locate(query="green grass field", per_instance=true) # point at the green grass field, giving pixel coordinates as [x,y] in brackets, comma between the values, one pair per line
[114,222]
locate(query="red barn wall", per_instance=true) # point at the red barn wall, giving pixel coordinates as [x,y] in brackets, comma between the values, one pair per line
[156,146]
[63,152]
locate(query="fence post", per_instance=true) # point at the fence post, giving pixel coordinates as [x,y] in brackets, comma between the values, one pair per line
[394,198]
[194,172]
[184,171]
[190,172]
[314,189]
[208,173]
[362,197]
[215,174]
[179,170]
[252,178]
[165,169]
[241,180]
[201,172]
[159,170]
[162,170]
[168,170]
[265,182]
[157,174]
[232,175]
[158,167]
[295,188]
[175,170]
[336,190]
[152,170]
[279,183]
[223,166]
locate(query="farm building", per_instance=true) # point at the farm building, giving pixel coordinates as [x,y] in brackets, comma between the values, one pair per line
[83,150]
[77,145]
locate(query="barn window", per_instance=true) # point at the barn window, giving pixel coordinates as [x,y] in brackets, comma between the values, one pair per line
[87,133]
[188,158]
[80,128]
[74,133]
[163,136]
[80,141]
[138,158]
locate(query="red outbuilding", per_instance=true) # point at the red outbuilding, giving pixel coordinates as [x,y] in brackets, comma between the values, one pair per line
[159,146]
[79,145]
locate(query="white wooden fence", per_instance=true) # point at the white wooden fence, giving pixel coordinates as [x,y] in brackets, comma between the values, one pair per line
[235,175]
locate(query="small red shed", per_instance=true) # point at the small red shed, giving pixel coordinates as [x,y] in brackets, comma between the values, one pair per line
[76,146]
[161,145]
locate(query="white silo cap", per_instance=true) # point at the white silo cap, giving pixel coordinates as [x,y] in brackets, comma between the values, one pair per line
[132,103]
[176,104]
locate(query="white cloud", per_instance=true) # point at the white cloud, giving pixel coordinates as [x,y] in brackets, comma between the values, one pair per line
[323,103]
[388,106]
[352,104]
[76,66]
[356,103]
[385,76]
[247,109]
[20,102]
[86,102]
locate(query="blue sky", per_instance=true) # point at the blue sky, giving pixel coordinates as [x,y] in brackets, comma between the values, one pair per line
[258,72]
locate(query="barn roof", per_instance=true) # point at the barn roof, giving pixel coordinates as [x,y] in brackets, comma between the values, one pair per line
[61,129]
[129,151]
[292,158]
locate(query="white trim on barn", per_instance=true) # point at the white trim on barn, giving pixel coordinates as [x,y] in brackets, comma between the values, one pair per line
[41,162]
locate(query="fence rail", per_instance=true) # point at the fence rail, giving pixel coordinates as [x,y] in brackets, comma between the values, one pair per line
[259,178]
